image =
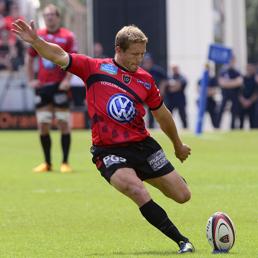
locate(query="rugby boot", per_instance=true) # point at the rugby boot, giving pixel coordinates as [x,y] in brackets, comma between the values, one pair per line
[186,247]
[42,168]
[65,168]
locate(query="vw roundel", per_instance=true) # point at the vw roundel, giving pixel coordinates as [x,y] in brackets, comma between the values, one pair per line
[121,108]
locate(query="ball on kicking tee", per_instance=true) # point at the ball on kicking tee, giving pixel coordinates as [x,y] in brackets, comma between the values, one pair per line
[220,232]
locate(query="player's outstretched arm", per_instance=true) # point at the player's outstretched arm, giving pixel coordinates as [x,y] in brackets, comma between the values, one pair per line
[167,124]
[52,52]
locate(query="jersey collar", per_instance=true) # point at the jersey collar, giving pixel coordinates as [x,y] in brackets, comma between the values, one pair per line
[120,66]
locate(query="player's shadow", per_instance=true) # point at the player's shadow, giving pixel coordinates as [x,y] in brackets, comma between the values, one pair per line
[132,254]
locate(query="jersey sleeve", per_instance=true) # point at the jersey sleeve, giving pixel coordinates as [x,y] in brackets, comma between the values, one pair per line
[154,100]
[80,65]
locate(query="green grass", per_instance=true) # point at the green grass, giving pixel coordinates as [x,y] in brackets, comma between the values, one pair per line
[79,215]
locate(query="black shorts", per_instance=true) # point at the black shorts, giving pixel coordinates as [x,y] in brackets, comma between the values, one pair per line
[50,94]
[146,157]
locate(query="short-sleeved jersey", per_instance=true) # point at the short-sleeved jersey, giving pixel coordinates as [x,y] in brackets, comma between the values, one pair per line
[48,72]
[115,99]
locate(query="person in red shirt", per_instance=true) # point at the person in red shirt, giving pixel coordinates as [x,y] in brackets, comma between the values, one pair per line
[51,88]
[122,148]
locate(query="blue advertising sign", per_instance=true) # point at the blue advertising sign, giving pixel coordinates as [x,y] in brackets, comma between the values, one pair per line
[220,54]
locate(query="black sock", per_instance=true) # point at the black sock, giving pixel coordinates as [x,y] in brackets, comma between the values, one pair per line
[156,216]
[46,146]
[65,142]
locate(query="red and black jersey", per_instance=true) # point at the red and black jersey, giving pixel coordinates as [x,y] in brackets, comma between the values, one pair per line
[48,72]
[115,99]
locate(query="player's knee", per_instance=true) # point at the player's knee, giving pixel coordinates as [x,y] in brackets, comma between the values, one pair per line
[184,196]
[138,193]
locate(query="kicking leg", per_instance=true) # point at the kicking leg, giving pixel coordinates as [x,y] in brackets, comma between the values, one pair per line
[173,186]
[126,181]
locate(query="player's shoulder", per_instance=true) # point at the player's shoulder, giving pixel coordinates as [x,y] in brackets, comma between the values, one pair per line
[94,61]
[101,61]
[144,74]
[104,65]
[66,32]
[42,31]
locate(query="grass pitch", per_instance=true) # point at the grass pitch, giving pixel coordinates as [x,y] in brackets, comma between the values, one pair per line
[79,215]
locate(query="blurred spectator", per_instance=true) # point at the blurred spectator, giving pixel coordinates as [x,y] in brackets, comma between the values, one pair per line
[11,48]
[78,91]
[5,62]
[230,81]
[248,97]
[174,94]
[160,77]
[3,8]
[212,88]
[8,51]
[98,50]
[256,104]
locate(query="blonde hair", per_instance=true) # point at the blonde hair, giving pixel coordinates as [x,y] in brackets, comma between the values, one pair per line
[54,8]
[128,35]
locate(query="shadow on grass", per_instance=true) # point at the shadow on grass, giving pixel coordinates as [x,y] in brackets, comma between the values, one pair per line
[119,254]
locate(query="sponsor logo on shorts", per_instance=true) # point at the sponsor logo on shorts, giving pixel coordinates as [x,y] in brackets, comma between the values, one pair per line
[109,68]
[121,108]
[113,159]
[157,160]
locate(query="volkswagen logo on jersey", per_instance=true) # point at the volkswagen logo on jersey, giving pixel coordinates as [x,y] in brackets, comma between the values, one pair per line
[121,108]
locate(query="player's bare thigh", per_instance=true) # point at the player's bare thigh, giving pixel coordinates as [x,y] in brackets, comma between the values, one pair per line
[127,182]
[173,186]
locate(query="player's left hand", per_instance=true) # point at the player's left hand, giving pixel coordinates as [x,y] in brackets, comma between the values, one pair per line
[25,31]
[182,152]
[64,85]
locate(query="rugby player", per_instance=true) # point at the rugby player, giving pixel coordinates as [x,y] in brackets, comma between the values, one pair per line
[51,89]
[122,148]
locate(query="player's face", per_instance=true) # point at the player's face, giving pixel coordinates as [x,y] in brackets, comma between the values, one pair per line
[132,57]
[51,18]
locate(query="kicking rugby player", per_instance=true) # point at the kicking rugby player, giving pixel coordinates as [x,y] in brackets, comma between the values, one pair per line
[122,148]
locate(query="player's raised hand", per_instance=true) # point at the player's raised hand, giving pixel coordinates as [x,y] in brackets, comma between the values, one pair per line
[25,31]
[183,152]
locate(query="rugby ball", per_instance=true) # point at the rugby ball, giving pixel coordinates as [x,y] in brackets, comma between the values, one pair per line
[220,232]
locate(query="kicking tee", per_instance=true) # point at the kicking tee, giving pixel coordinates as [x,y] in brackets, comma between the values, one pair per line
[116,99]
